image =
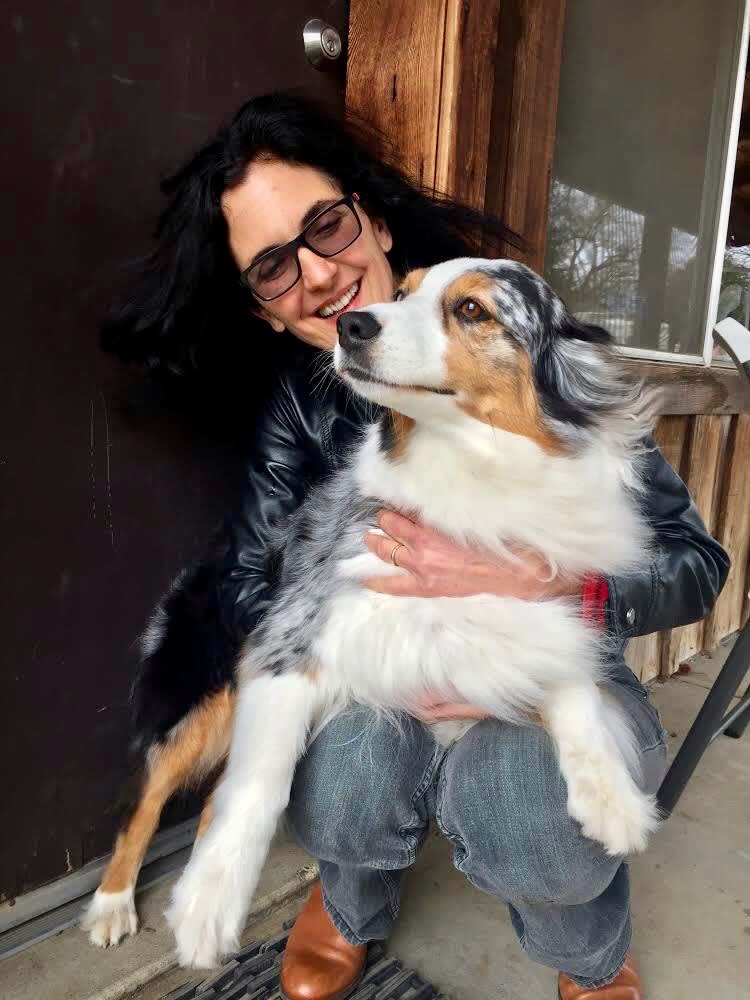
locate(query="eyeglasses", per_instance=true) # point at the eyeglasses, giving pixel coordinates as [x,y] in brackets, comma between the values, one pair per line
[330,232]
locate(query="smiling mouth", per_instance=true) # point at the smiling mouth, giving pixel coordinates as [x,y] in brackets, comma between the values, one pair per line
[339,304]
[360,375]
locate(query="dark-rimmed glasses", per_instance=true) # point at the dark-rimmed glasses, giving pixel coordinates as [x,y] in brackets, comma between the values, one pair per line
[330,232]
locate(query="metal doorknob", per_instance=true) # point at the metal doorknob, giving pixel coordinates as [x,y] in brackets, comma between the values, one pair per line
[322,42]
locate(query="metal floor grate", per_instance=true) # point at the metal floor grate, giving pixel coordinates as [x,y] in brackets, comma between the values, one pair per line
[253,974]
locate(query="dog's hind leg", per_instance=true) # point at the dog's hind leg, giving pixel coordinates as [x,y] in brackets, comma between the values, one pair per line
[599,761]
[193,748]
[212,898]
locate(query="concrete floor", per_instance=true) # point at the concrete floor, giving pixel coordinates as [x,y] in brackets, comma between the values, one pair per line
[691,904]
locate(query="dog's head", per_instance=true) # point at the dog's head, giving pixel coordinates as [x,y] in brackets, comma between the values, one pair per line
[491,340]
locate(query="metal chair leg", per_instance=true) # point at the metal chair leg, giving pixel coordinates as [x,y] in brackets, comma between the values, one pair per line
[709,723]
[739,717]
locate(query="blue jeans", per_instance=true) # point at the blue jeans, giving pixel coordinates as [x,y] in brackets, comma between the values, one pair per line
[366,789]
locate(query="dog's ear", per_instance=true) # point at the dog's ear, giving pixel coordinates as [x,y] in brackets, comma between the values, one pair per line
[573,329]
[577,380]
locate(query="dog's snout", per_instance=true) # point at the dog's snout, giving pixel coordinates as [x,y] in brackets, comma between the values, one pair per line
[356,327]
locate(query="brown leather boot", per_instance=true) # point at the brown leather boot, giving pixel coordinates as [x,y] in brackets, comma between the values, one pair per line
[319,964]
[627,986]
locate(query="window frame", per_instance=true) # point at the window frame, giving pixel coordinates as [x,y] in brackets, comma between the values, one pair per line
[730,130]
[715,202]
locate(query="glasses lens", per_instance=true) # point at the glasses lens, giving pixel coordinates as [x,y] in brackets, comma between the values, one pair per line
[274,274]
[333,231]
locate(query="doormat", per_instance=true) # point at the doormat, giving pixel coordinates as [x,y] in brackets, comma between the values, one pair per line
[253,974]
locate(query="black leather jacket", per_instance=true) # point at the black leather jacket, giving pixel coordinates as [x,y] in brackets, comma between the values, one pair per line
[301,437]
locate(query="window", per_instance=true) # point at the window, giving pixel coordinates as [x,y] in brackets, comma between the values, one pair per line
[648,118]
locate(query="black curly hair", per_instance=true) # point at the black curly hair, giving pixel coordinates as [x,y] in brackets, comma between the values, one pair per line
[185,311]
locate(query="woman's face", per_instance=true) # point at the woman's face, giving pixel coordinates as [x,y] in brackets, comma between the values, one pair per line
[266,210]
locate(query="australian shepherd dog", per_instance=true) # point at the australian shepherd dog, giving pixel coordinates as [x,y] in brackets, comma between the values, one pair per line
[506,424]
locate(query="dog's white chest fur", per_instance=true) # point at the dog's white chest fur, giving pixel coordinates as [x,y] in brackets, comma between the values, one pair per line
[497,492]
[493,488]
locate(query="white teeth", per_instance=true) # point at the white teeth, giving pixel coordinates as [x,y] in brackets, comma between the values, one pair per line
[339,304]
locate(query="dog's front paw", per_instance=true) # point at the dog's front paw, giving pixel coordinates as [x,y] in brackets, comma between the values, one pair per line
[205,914]
[612,809]
[109,917]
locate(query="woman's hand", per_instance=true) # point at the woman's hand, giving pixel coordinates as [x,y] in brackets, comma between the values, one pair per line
[436,566]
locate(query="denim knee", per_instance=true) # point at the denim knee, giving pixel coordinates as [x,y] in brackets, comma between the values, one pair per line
[502,803]
[358,792]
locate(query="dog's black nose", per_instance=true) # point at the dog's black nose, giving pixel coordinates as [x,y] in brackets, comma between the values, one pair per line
[355,327]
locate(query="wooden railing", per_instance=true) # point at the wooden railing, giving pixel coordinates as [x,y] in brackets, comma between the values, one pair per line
[712,455]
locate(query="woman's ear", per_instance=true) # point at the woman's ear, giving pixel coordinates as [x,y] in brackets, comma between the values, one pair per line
[273,321]
[382,234]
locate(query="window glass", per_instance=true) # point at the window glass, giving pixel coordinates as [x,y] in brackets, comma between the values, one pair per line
[644,94]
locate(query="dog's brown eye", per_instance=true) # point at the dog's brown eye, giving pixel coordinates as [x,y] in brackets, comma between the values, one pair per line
[399,294]
[470,309]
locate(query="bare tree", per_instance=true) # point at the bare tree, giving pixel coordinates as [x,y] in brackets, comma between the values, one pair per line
[593,249]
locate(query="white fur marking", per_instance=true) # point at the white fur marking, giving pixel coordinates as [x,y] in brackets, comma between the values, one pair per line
[109,917]
[212,897]
[596,747]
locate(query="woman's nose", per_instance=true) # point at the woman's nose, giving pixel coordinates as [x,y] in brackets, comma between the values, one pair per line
[317,272]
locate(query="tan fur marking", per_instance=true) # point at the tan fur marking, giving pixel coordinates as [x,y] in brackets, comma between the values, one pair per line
[197,745]
[414,279]
[402,428]
[491,374]
[473,285]
[311,671]
[207,814]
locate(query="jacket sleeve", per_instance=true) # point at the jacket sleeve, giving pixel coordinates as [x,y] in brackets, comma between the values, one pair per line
[688,570]
[196,631]
[283,464]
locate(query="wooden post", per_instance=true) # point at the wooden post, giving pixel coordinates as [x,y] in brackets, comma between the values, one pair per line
[466,90]
[524,120]
[733,531]
[701,471]
[644,655]
[394,76]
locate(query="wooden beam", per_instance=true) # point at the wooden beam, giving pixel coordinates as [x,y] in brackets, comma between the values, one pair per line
[733,531]
[701,471]
[394,76]
[645,655]
[671,435]
[524,120]
[690,389]
[470,57]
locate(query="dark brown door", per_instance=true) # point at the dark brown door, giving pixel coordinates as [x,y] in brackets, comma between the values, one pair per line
[101,503]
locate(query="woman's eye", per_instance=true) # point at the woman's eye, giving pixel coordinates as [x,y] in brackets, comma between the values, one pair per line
[470,309]
[327,227]
[270,268]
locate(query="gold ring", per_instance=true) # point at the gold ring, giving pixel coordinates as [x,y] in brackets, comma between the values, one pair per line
[394,550]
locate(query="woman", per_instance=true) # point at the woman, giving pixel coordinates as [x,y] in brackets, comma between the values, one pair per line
[312,223]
